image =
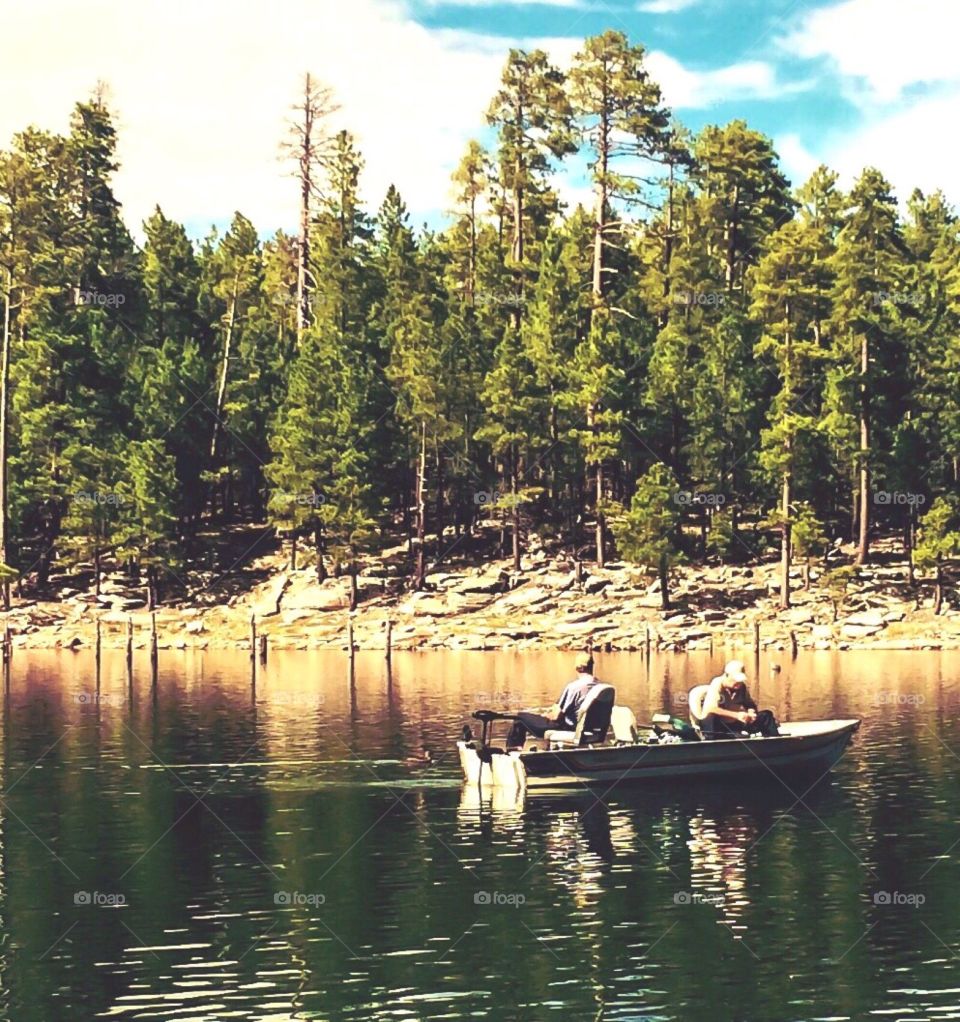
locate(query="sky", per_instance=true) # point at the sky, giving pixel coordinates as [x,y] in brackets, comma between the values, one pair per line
[201,88]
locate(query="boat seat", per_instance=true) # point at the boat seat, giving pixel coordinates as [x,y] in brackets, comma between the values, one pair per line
[593,722]
[624,723]
[695,698]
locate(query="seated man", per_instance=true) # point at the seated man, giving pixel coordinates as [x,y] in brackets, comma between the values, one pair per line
[729,710]
[564,713]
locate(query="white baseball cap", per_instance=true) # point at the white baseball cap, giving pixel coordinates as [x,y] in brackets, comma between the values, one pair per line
[735,671]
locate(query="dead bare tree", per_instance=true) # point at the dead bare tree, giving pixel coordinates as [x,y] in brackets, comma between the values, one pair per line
[307,145]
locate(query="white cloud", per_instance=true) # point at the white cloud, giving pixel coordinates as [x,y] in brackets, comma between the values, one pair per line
[797,161]
[201,95]
[883,46]
[686,89]
[881,49]
[666,6]
[508,3]
[913,148]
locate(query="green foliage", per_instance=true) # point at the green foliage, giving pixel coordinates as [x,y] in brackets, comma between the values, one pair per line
[720,537]
[807,532]
[646,531]
[938,537]
[698,318]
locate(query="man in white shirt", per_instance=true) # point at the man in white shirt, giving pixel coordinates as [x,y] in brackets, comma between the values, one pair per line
[729,710]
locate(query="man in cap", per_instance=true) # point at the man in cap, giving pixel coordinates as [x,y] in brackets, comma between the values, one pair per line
[565,711]
[729,710]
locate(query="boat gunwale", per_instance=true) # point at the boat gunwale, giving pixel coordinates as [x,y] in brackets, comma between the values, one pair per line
[844,726]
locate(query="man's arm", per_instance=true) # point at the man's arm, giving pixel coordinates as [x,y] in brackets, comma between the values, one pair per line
[711,704]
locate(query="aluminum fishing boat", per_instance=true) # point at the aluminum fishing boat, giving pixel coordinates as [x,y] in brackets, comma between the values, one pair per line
[607,749]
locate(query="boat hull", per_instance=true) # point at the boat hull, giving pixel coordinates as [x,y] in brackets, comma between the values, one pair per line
[803,746]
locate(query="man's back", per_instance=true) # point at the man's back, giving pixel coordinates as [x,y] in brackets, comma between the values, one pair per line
[573,696]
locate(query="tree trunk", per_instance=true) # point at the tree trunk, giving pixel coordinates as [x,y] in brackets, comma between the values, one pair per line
[518,252]
[222,388]
[151,589]
[320,545]
[603,155]
[515,510]
[732,235]
[664,583]
[4,406]
[305,160]
[908,545]
[438,506]
[420,567]
[785,531]
[601,521]
[667,250]
[354,599]
[863,548]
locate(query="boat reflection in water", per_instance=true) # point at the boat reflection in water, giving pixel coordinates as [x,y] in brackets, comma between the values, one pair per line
[580,839]
[718,864]
[696,842]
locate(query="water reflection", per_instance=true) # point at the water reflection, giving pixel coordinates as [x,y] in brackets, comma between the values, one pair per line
[283,854]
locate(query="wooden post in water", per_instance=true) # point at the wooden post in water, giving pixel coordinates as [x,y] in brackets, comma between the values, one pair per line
[98,640]
[129,643]
[153,637]
[253,636]
[350,647]
[793,644]
[388,641]
[263,648]
[756,637]
[648,642]
[7,643]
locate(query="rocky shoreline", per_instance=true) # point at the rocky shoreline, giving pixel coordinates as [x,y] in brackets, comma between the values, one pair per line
[550,604]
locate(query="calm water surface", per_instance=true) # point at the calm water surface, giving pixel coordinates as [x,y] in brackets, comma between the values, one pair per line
[208,849]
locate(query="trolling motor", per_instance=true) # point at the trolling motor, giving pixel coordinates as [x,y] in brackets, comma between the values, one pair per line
[486,718]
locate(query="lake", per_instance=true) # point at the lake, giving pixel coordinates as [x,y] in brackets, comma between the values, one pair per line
[209,848]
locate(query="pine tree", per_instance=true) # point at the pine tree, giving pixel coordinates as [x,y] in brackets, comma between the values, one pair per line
[646,532]
[866,326]
[533,119]
[938,539]
[786,299]
[620,117]
[515,405]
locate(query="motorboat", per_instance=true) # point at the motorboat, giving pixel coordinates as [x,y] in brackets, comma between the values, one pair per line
[607,748]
